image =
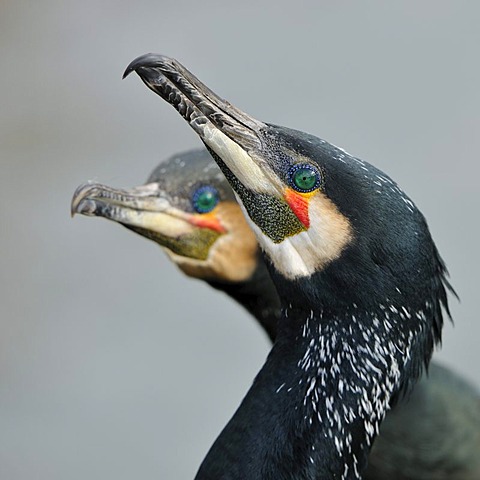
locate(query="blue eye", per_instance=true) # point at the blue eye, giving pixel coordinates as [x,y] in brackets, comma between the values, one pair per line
[205,199]
[304,178]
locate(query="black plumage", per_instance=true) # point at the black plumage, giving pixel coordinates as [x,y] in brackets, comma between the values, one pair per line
[431,435]
[361,283]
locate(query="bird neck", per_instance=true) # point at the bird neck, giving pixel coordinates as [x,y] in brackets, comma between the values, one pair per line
[315,407]
[258,296]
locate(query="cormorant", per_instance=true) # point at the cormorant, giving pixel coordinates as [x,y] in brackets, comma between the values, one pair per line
[361,282]
[188,208]
[429,435]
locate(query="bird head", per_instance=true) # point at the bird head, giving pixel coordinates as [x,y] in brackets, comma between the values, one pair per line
[335,228]
[188,208]
[361,282]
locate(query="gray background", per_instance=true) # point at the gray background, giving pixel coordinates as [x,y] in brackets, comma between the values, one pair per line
[112,364]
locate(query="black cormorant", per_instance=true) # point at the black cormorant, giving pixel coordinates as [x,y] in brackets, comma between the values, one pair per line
[429,435]
[361,283]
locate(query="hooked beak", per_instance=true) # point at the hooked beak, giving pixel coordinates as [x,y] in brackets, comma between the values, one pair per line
[233,137]
[143,210]
[137,207]
[227,131]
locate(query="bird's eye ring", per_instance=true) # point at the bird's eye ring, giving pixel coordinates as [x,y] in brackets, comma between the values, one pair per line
[304,178]
[205,199]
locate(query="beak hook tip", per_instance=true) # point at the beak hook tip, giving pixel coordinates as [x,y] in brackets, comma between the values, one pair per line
[148,60]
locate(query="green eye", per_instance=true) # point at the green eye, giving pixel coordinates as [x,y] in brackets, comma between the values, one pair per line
[304,178]
[205,199]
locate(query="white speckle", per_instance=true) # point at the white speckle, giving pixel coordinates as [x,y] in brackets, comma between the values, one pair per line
[364,357]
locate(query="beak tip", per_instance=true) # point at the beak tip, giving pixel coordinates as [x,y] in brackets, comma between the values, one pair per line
[127,72]
[148,60]
[74,206]
[81,192]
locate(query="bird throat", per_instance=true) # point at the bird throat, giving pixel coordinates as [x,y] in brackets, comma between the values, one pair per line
[195,244]
[271,215]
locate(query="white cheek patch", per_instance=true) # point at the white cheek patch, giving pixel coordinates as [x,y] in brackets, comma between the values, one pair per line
[233,256]
[303,254]
[239,162]
[299,255]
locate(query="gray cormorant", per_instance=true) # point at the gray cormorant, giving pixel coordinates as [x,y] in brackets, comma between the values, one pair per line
[361,283]
[432,434]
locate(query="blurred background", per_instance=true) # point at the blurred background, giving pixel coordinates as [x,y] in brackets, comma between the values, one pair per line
[112,363]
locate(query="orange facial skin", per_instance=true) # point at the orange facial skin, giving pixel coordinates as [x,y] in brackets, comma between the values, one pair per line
[299,204]
[207,220]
